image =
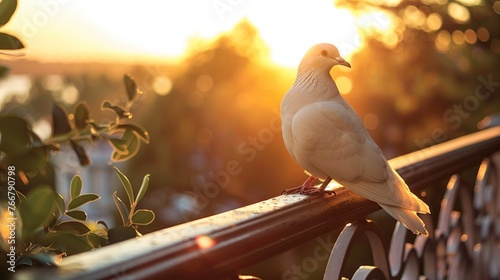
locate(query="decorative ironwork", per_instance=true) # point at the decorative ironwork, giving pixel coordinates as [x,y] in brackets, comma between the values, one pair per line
[465,244]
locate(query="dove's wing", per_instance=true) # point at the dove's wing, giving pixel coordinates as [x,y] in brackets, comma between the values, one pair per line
[334,143]
[329,138]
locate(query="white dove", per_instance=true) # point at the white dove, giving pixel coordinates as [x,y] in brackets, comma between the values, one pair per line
[326,137]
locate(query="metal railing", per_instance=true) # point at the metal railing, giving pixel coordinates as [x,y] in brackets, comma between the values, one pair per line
[221,245]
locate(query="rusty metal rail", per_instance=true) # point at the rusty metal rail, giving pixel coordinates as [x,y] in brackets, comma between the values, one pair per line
[221,245]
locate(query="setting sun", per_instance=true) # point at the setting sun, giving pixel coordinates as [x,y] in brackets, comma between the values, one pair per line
[153,31]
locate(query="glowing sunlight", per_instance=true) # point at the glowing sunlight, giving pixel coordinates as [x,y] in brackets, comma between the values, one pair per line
[152,30]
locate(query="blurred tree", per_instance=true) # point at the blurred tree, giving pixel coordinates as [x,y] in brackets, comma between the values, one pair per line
[432,74]
[218,133]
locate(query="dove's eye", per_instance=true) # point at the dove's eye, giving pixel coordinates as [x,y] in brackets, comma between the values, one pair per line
[324,53]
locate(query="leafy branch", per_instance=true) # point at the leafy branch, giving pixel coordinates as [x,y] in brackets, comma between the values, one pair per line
[123,137]
[131,218]
[8,43]
[21,147]
[50,228]
[47,228]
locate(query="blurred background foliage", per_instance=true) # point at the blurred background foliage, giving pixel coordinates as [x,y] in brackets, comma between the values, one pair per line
[431,63]
[430,78]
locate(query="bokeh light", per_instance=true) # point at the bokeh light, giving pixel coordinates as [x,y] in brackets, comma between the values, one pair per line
[458,12]
[162,85]
[495,45]
[43,128]
[442,41]
[458,37]
[204,83]
[4,226]
[70,94]
[434,21]
[15,86]
[496,7]
[53,82]
[414,17]
[470,36]
[483,34]
[470,2]
[204,242]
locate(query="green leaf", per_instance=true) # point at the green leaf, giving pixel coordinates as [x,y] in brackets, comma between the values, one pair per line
[75,227]
[25,261]
[60,205]
[77,214]
[7,9]
[39,159]
[143,217]
[75,186]
[60,123]
[81,200]
[103,223]
[46,258]
[97,127]
[9,42]
[122,209]
[81,115]
[141,133]
[83,158]
[126,185]
[32,160]
[131,87]
[118,234]
[67,241]
[15,132]
[96,240]
[143,189]
[119,111]
[39,209]
[119,145]
[21,198]
[132,145]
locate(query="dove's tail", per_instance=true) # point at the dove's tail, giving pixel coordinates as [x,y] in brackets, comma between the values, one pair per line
[408,218]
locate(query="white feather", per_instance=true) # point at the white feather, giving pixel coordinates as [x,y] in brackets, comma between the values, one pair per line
[328,139]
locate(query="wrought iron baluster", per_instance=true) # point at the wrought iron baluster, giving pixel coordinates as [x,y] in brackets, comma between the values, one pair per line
[464,245]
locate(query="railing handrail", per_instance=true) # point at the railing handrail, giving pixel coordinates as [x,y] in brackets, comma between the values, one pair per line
[223,244]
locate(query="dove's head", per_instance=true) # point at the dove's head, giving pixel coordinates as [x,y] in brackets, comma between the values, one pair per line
[322,57]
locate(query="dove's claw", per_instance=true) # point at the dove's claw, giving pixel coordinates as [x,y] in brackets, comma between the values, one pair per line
[308,189]
[307,185]
[296,190]
[317,191]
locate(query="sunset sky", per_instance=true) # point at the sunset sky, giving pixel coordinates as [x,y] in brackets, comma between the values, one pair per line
[92,30]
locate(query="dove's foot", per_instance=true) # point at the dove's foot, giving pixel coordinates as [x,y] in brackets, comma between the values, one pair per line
[308,189]
[307,185]
[317,191]
[298,189]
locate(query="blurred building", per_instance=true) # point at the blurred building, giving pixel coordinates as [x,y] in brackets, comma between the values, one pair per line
[99,178]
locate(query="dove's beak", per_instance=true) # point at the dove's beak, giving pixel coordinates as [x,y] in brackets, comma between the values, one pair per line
[342,61]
